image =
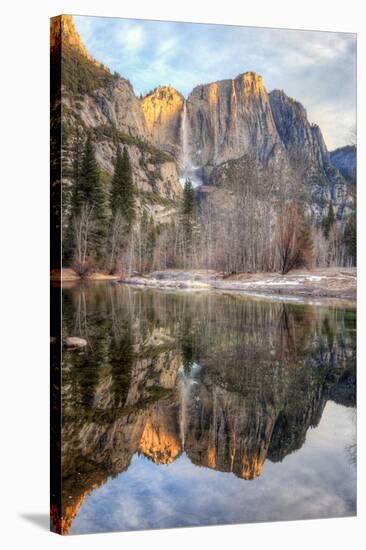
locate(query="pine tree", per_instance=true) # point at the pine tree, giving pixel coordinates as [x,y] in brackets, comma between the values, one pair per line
[89,186]
[116,183]
[122,190]
[88,192]
[66,153]
[71,170]
[76,153]
[328,221]
[350,238]
[188,210]
[150,241]
[66,193]
[148,236]
[306,243]
[188,219]
[189,201]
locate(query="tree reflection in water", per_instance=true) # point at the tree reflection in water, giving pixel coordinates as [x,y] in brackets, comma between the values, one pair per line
[232,381]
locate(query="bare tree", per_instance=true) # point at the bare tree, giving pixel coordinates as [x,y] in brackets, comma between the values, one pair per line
[118,239]
[83,228]
[292,239]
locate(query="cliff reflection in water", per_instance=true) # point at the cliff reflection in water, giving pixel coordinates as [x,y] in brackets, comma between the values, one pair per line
[229,381]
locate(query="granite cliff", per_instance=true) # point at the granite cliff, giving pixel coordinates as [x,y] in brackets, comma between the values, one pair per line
[163,112]
[230,120]
[308,154]
[345,159]
[95,100]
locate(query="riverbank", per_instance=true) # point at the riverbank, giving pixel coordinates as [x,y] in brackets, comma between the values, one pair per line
[338,283]
[67,275]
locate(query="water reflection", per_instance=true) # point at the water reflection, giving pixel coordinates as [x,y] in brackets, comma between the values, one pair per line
[224,382]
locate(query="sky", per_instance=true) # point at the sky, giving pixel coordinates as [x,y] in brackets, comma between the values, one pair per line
[316,68]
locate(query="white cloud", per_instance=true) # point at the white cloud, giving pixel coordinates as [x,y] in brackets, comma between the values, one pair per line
[168,47]
[132,39]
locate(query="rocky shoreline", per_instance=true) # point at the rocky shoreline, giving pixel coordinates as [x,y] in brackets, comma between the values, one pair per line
[298,285]
[338,283]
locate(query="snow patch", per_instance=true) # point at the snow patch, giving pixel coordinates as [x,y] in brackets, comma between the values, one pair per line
[279,282]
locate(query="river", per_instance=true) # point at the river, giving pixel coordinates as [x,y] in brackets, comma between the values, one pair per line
[199,408]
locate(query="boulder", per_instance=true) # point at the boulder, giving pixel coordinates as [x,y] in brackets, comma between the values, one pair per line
[73,342]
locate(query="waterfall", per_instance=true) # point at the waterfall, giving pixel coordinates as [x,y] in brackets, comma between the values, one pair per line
[187,168]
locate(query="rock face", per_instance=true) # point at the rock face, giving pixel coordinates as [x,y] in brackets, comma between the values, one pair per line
[114,104]
[96,101]
[233,119]
[163,112]
[309,156]
[345,159]
[229,119]
[295,131]
[63,29]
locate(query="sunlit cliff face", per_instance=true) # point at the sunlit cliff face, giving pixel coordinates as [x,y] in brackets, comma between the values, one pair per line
[163,112]
[228,119]
[212,93]
[253,83]
[161,106]
[63,29]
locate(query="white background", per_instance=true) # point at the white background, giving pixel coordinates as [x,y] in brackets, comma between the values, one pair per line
[24,363]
